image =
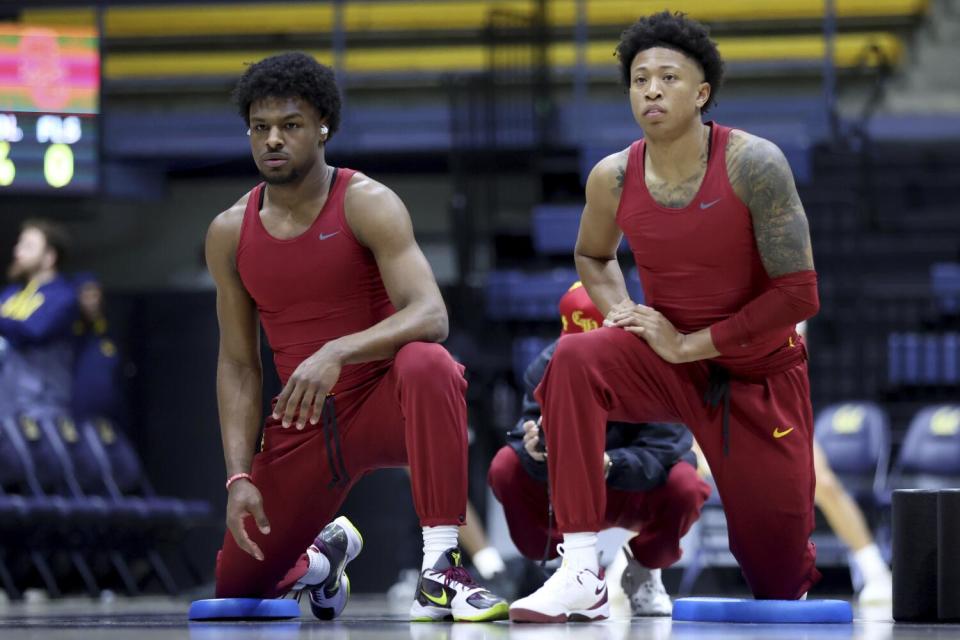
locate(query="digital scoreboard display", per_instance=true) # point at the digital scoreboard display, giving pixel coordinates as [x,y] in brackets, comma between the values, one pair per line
[49,102]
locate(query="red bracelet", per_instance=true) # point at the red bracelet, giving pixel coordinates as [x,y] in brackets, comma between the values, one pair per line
[238,476]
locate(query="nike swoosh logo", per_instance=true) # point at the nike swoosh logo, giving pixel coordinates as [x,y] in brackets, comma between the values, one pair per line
[707,205]
[324,236]
[779,434]
[441,601]
[600,589]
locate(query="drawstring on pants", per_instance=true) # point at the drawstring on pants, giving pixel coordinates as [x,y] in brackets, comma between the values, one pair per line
[331,437]
[718,390]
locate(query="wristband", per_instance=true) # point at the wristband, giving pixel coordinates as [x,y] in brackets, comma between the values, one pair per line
[238,476]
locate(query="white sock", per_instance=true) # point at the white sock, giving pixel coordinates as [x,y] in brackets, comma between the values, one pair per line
[871,563]
[580,551]
[317,570]
[436,540]
[488,562]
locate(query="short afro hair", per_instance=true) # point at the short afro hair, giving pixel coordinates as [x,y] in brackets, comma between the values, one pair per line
[290,75]
[678,32]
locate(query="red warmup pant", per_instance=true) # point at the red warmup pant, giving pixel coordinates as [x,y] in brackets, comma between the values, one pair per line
[766,483]
[415,414]
[660,517]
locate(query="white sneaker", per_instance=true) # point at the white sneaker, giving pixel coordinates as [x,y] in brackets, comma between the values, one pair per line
[644,588]
[877,592]
[570,595]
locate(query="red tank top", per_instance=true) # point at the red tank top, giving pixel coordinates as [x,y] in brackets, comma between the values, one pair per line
[700,264]
[316,287]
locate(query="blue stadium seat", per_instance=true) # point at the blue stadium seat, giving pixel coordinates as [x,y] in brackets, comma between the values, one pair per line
[523,295]
[923,359]
[101,526]
[554,229]
[51,522]
[118,461]
[930,455]
[945,284]
[855,436]
[512,294]
[951,359]
[144,522]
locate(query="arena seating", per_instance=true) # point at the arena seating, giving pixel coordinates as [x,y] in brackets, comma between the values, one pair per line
[923,359]
[61,496]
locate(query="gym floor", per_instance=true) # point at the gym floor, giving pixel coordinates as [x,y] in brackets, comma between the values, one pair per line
[365,619]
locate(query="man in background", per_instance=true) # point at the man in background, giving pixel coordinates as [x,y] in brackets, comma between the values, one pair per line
[37,311]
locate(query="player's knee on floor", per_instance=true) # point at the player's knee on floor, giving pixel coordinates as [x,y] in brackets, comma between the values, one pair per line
[785,574]
[237,575]
[237,587]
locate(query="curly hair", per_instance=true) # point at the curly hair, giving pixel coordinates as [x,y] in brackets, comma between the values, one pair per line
[678,32]
[290,75]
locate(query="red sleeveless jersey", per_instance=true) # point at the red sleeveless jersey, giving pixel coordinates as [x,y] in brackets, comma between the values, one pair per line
[700,264]
[316,287]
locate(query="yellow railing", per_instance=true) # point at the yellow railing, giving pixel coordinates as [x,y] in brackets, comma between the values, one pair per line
[305,18]
[849,50]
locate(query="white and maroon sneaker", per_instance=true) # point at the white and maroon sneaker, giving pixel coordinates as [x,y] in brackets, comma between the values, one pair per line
[570,595]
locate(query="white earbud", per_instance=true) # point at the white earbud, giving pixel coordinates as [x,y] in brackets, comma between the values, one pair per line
[248,132]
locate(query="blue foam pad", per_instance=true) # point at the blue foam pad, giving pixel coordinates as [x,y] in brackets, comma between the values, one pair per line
[243,609]
[781,611]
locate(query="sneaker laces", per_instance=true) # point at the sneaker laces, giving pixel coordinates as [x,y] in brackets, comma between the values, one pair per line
[458,574]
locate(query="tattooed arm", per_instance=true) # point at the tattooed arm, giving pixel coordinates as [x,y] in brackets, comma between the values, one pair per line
[761,177]
[599,237]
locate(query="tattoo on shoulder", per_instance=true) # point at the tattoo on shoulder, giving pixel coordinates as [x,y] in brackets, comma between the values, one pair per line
[761,177]
[621,177]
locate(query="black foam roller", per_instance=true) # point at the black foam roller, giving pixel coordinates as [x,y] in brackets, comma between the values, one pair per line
[915,555]
[948,555]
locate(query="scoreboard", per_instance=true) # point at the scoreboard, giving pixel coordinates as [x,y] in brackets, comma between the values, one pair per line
[49,106]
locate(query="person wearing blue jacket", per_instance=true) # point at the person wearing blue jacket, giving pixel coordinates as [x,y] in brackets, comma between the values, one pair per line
[96,382]
[37,312]
[652,483]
